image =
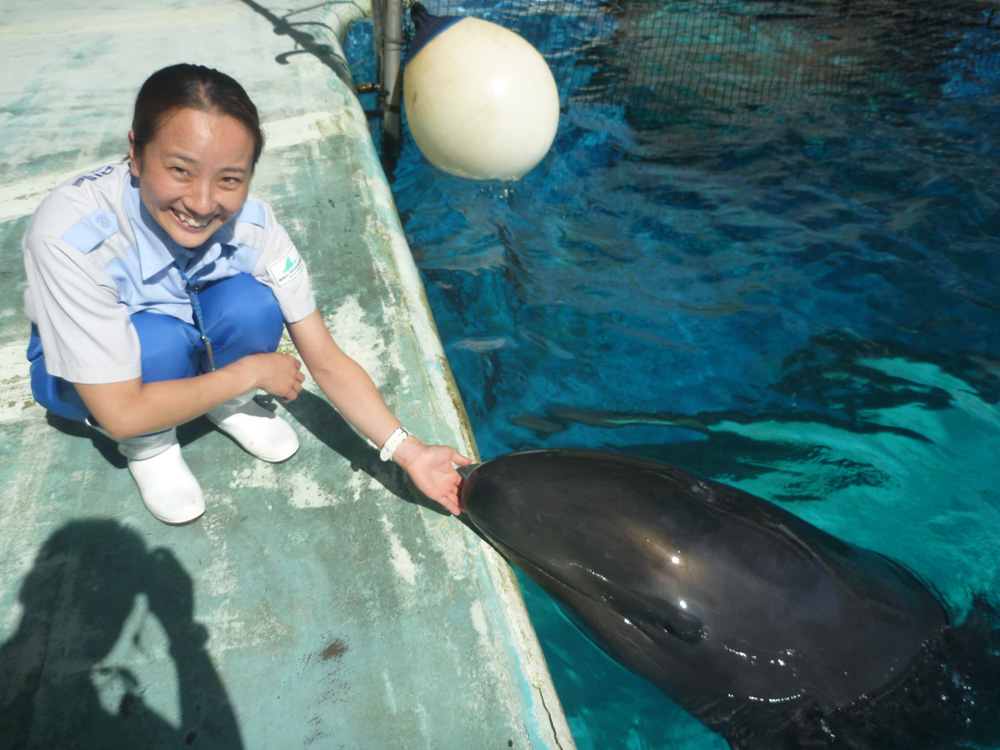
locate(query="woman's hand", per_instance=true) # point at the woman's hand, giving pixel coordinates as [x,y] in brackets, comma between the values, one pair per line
[431,467]
[278,374]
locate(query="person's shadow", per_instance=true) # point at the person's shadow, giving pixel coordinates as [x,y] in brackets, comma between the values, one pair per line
[76,599]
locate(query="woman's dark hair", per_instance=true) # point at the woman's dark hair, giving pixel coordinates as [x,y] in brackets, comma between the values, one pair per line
[187,86]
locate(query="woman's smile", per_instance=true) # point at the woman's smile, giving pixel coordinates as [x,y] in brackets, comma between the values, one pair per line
[189,221]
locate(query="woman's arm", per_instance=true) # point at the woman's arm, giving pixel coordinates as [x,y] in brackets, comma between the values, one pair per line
[131,407]
[352,392]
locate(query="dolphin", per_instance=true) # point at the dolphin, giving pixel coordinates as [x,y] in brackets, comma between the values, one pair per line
[758,623]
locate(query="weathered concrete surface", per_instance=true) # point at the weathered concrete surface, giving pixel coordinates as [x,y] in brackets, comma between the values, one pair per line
[315,603]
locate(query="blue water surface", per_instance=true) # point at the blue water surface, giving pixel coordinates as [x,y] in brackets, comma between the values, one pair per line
[801,299]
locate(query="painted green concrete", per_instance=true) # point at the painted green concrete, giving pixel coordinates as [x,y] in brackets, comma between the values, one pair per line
[316,603]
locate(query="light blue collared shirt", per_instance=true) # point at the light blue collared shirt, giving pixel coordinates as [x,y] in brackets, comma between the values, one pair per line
[94,256]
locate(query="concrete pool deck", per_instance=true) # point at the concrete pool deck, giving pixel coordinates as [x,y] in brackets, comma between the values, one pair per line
[316,603]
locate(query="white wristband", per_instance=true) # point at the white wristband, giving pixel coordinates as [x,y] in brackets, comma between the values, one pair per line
[395,440]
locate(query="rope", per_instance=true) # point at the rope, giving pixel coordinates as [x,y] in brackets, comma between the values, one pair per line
[192,290]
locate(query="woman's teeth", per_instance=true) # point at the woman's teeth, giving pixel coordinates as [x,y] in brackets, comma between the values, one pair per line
[193,223]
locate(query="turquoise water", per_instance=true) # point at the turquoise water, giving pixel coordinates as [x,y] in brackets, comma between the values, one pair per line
[801,299]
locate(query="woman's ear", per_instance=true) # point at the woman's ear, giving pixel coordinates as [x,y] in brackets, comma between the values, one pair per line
[132,155]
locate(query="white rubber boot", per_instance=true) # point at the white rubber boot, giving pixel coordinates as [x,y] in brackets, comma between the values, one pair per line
[168,488]
[259,431]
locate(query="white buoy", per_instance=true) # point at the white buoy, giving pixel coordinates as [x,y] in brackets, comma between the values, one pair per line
[480,101]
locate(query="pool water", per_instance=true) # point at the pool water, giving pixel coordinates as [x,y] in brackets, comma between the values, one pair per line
[800,301]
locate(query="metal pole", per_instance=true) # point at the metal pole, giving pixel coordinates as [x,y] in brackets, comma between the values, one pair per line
[378,26]
[391,82]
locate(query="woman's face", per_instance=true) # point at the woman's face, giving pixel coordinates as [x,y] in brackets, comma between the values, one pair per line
[194,174]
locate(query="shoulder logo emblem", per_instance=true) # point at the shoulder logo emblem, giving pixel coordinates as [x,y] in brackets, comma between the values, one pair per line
[283,271]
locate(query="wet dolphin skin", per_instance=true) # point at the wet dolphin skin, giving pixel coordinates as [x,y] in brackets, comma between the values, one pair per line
[744,614]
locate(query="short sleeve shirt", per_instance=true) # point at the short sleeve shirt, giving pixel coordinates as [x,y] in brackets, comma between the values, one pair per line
[94,256]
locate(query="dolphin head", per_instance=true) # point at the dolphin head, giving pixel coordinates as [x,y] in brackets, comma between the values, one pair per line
[583,527]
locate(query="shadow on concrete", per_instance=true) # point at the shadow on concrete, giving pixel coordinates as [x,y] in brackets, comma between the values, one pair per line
[305,42]
[76,600]
[314,413]
[108,448]
[320,418]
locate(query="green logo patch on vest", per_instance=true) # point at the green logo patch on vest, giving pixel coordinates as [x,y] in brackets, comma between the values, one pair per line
[285,270]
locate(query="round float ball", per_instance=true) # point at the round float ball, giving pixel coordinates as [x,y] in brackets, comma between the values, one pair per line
[480,101]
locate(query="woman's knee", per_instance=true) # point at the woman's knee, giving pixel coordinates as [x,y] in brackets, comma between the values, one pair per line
[241,316]
[55,394]
[171,349]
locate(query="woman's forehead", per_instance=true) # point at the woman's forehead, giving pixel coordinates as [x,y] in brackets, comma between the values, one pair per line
[204,135]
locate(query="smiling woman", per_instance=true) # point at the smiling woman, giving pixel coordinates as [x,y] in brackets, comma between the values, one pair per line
[158,289]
